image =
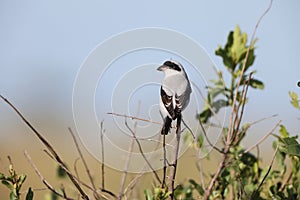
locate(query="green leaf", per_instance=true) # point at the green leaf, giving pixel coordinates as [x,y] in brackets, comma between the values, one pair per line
[197,186]
[250,60]
[238,49]
[4,177]
[200,140]
[294,100]
[214,92]
[179,190]
[205,115]
[217,105]
[148,194]
[29,195]
[257,84]
[283,132]
[7,184]
[21,180]
[225,53]
[61,173]
[13,195]
[290,146]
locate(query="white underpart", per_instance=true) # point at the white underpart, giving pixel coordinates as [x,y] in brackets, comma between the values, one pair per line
[173,83]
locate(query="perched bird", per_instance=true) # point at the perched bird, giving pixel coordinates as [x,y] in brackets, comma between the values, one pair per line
[174,93]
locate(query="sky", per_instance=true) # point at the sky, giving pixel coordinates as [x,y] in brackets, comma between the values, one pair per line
[44,44]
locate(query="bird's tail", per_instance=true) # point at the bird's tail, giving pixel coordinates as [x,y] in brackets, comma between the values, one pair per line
[167,125]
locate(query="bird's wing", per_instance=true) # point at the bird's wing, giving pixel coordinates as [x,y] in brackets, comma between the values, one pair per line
[182,100]
[168,103]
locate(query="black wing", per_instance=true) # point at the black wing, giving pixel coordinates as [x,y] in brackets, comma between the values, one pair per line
[168,103]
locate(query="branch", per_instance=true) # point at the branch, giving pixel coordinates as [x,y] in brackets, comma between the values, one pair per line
[133,117]
[234,112]
[49,147]
[263,138]
[209,142]
[133,183]
[174,165]
[230,130]
[217,173]
[165,162]
[142,152]
[102,157]
[190,130]
[96,195]
[239,117]
[263,180]
[49,187]
[124,174]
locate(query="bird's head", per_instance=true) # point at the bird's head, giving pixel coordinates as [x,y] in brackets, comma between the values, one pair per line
[171,66]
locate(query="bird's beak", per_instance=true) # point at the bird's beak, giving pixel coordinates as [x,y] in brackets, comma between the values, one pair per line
[161,68]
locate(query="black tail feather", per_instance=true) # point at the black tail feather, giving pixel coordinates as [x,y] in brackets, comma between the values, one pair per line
[166,127]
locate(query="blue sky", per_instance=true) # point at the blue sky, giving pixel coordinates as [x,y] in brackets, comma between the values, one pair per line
[44,43]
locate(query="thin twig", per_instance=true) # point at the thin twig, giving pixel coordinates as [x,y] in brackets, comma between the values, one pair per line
[286,182]
[209,142]
[49,147]
[133,118]
[142,152]
[175,162]
[263,138]
[190,130]
[243,103]
[75,168]
[266,175]
[69,172]
[163,185]
[78,180]
[102,154]
[125,170]
[231,128]
[96,195]
[48,185]
[217,173]
[201,170]
[262,119]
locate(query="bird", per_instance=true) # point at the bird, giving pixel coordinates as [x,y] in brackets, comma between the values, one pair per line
[175,93]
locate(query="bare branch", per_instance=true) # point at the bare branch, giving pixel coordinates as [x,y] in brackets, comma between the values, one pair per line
[201,170]
[102,157]
[165,162]
[68,171]
[239,116]
[263,180]
[133,183]
[49,187]
[190,130]
[124,174]
[49,147]
[133,118]
[233,110]
[96,195]
[209,142]
[175,162]
[142,152]
[75,168]
[217,173]
[262,119]
[263,138]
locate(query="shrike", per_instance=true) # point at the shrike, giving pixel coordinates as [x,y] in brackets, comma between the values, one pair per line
[174,93]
